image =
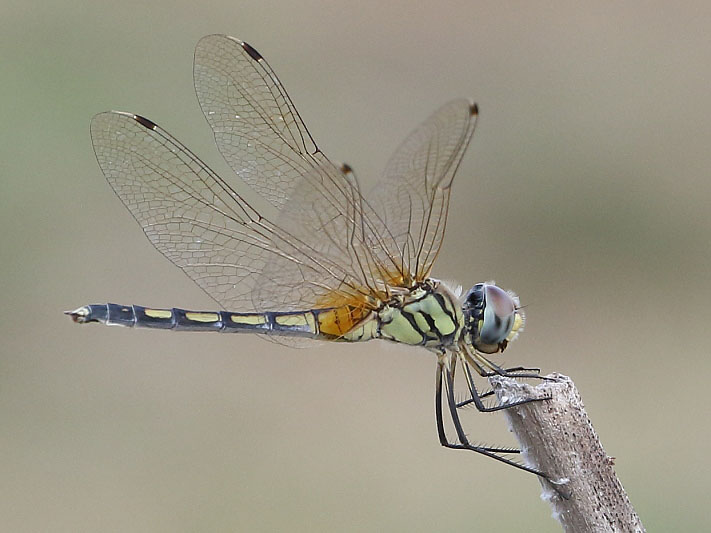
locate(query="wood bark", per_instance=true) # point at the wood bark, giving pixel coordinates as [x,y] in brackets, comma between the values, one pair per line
[557,437]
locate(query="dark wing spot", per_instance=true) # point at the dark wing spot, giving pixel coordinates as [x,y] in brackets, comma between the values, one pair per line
[474,109]
[252,52]
[346,168]
[143,121]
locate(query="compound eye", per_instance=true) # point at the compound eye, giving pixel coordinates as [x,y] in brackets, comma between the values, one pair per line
[499,300]
[499,315]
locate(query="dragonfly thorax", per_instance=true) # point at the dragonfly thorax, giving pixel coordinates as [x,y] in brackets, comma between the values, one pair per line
[428,315]
[492,317]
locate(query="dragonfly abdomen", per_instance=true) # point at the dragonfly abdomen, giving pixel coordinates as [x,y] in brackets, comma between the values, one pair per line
[295,323]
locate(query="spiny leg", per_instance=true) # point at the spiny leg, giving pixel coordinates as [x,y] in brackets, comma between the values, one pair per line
[478,361]
[523,369]
[443,440]
[438,406]
[464,443]
[475,397]
[461,435]
[514,371]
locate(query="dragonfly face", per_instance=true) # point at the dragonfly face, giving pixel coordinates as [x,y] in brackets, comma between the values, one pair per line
[323,259]
[492,317]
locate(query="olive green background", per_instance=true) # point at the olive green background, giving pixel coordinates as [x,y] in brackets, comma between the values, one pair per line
[586,190]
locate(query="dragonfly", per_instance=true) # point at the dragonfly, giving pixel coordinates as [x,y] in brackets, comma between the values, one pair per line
[322,259]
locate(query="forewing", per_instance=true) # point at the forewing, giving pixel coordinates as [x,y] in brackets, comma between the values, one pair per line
[412,198]
[201,224]
[262,137]
[256,127]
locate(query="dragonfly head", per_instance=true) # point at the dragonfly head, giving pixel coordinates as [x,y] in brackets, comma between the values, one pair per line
[492,317]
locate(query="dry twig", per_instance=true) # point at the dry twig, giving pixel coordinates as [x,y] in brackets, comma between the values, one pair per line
[557,437]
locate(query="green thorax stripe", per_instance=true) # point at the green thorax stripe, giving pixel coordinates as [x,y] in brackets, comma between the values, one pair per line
[427,318]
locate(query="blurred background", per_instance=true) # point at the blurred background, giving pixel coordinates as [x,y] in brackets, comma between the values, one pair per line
[585,189]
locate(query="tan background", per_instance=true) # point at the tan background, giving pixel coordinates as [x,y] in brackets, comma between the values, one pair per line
[586,189]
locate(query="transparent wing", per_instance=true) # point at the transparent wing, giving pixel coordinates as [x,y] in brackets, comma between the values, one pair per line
[262,137]
[205,227]
[412,198]
[256,127]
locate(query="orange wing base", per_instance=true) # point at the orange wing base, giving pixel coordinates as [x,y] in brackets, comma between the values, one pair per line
[343,313]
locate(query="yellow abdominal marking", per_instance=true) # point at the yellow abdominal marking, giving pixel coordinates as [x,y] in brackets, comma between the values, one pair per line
[158,313]
[298,321]
[291,320]
[250,320]
[202,317]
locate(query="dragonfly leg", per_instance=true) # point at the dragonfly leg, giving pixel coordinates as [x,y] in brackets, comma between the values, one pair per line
[522,369]
[475,397]
[445,381]
[479,361]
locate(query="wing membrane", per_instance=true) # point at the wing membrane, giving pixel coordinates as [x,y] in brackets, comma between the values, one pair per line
[256,127]
[262,137]
[328,244]
[412,198]
[204,226]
